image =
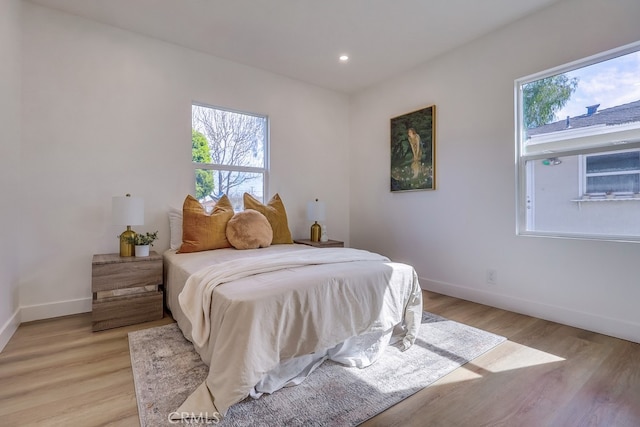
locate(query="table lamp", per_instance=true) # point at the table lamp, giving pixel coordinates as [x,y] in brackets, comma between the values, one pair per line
[315,213]
[127,211]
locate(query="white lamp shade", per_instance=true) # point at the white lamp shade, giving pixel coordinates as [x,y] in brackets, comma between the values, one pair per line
[127,210]
[315,211]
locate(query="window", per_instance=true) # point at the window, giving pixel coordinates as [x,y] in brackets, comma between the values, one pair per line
[229,154]
[617,174]
[578,148]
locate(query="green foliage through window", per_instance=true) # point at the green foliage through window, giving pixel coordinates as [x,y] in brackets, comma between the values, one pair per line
[542,99]
[200,153]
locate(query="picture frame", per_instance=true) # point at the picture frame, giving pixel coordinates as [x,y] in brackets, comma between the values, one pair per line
[413,149]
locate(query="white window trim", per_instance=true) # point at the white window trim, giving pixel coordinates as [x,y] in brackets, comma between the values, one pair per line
[623,137]
[215,166]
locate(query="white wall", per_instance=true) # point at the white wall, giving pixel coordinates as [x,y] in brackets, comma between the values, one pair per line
[10,60]
[108,112]
[454,234]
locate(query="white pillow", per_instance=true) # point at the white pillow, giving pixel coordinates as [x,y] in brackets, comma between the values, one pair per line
[175,227]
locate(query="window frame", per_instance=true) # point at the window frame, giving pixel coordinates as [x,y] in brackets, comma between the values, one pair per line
[579,143]
[231,168]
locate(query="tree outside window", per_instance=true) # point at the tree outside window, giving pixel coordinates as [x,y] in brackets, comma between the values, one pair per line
[229,154]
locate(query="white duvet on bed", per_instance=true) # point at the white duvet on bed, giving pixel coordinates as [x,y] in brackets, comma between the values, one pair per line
[248,318]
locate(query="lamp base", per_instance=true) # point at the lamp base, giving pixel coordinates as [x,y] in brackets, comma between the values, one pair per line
[316,230]
[127,248]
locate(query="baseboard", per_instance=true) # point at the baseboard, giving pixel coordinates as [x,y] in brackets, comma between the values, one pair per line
[30,313]
[592,322]
[9,328]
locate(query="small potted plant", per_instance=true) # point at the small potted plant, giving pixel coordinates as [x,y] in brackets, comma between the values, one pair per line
[142,242]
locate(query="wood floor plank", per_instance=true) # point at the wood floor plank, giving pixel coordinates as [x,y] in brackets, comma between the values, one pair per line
[59,373]
[611,396]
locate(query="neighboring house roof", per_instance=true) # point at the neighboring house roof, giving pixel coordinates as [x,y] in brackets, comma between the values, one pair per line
[619,114]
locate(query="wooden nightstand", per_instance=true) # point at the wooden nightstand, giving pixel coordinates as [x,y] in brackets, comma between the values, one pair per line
[126,290]
[327,244]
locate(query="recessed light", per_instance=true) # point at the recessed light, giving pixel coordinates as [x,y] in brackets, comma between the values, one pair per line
[344,58]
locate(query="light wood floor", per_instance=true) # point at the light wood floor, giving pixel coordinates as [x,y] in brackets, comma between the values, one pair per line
[58,373]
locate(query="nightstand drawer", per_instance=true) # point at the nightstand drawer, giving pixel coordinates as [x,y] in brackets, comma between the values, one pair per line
[106,277]
[125,310]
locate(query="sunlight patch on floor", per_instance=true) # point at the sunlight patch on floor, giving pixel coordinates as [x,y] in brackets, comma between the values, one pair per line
[508,356]
[511,355]
[463,373]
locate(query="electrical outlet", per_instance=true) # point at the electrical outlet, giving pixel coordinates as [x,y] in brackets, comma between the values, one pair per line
[492,276]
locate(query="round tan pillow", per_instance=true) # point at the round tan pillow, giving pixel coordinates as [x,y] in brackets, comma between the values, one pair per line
[249,229]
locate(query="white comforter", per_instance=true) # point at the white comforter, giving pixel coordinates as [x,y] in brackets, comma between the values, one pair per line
[248,318]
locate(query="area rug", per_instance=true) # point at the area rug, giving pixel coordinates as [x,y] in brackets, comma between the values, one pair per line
[166,369]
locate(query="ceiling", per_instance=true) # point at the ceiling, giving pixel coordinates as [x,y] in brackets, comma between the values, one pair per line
[303,39]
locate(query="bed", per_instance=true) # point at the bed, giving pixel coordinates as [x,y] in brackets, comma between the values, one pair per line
[265,318]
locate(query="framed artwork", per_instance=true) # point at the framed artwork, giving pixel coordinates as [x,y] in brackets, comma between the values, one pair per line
[413,149]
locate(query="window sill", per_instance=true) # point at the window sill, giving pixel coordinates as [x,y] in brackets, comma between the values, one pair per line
[612,199]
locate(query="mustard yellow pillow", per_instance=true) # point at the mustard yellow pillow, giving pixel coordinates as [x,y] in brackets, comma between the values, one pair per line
[202,231]
[276,215]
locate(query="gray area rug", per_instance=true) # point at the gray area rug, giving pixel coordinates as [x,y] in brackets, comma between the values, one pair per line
[166,369]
